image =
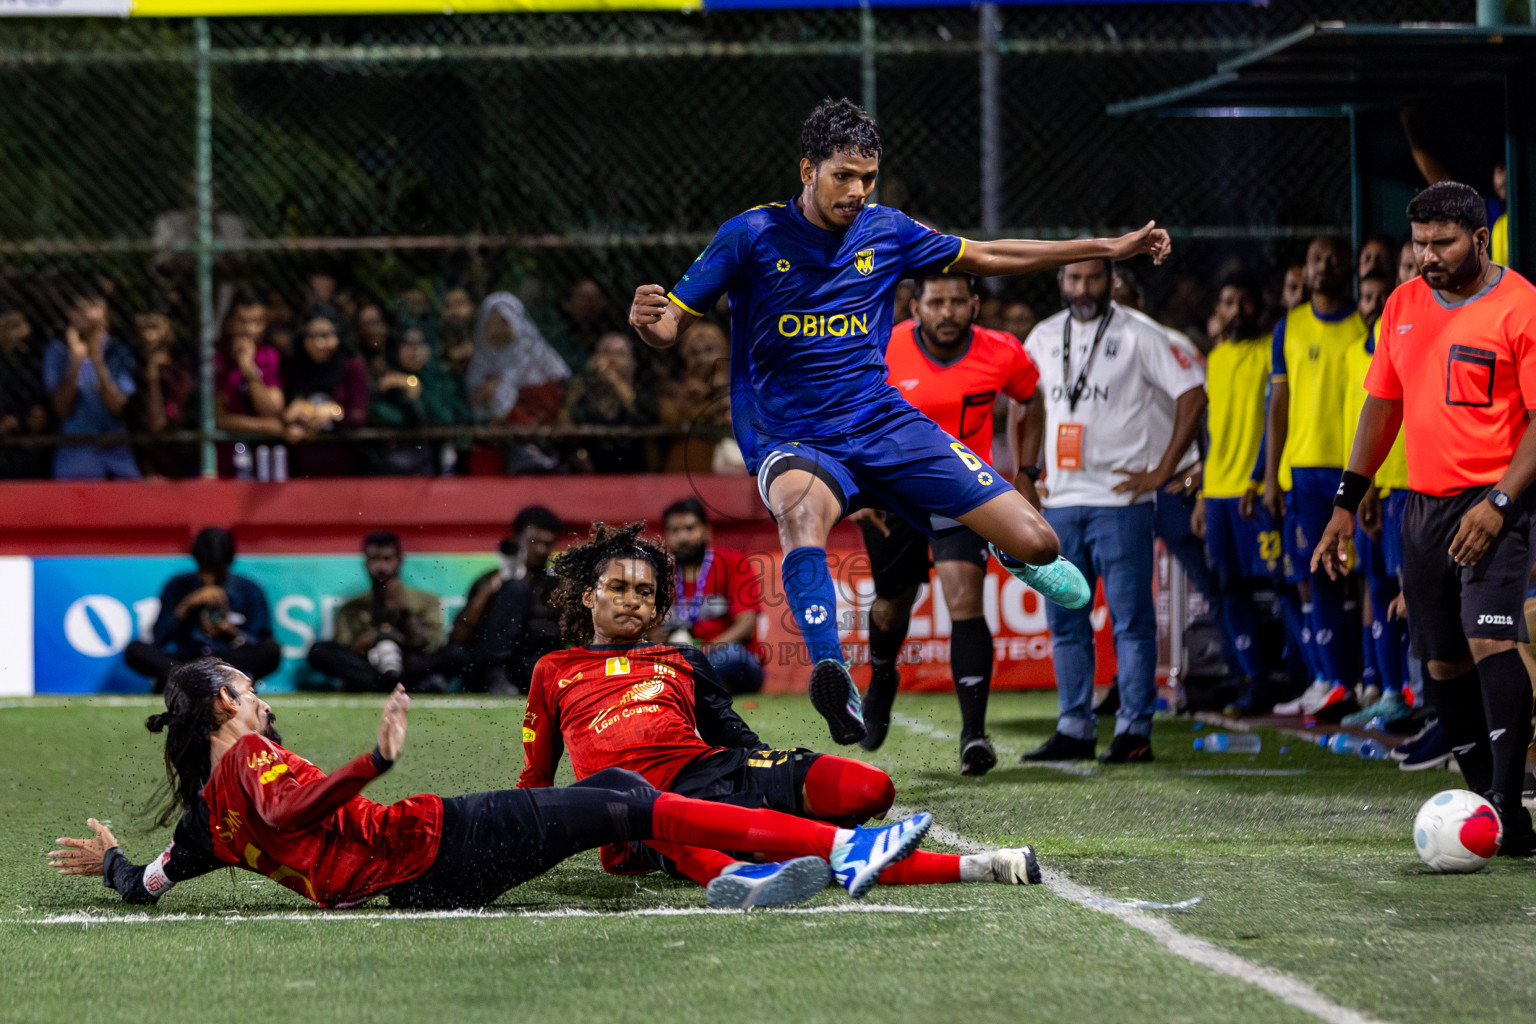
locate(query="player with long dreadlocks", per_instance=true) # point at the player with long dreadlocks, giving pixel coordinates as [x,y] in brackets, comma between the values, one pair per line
[617,700]
[246,801]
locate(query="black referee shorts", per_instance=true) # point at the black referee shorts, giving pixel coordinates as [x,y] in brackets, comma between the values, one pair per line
[1447,604]
[903,560]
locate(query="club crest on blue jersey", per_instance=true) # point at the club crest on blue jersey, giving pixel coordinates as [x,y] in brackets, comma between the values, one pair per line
[864,261]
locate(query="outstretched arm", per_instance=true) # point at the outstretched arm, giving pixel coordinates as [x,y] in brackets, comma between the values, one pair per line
[1007,256]
[189,855]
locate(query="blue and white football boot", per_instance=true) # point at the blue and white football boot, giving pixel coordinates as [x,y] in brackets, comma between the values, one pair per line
[857,863]
[743,886]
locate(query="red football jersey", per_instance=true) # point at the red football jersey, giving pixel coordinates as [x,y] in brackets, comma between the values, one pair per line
[959,397]
[274,813]
[651,708]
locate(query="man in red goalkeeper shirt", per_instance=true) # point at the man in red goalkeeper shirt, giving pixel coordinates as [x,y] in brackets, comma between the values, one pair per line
[617,700]
[246,801]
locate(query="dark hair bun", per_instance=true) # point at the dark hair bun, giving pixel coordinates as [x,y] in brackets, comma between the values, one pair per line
[158,723]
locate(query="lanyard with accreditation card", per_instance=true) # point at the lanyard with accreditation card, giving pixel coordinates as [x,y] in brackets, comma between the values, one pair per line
[1069,436]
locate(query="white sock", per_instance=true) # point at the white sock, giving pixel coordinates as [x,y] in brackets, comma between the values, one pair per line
[844,835]
[976,867]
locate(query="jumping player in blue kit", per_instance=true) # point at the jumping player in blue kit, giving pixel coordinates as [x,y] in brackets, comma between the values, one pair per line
[811,284]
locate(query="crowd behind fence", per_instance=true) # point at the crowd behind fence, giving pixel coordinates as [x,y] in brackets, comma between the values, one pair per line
[231,189]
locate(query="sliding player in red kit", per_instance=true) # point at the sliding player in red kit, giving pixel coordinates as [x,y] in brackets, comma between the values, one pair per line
[619,701]
[248,802]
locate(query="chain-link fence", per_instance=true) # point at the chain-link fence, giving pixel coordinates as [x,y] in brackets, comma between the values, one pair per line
[393,172]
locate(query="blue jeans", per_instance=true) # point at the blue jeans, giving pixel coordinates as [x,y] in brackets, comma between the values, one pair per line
[737,667]
[1115,545]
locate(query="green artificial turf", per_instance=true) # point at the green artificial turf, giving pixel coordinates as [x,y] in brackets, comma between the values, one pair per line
[1301,858]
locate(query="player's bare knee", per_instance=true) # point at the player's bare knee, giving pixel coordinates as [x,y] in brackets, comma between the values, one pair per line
[1484,648]
[1450,669]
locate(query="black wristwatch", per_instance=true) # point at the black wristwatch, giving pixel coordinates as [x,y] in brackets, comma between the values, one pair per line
[1501,501]
[1033,472]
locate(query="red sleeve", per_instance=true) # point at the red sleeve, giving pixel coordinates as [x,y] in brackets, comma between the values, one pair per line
[281,800]
[1381,378]
[542,745]
[1023,375]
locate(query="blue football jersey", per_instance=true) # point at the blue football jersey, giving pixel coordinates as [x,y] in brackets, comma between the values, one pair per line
[811,314]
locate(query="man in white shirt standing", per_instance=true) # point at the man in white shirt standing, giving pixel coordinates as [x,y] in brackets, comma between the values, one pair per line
[1103,368]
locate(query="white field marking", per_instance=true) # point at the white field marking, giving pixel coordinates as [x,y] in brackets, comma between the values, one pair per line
[277,700]
[1197,951]
[88,918]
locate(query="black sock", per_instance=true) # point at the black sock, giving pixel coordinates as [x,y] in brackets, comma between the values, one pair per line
[1459,703]
[970,659]
[884,676]
[1506,687]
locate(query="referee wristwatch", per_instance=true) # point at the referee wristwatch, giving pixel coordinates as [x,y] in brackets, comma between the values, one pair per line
[1501,501]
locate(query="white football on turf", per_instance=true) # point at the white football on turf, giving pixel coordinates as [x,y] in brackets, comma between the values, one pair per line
[1457,831]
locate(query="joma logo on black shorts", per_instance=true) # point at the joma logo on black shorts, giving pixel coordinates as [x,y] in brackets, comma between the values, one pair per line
[1495,620]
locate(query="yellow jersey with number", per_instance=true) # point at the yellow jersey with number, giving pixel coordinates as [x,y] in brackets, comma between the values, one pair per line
[1236,374]
[1309,354]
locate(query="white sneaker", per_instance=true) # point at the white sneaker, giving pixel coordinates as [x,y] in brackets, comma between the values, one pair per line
[385,658]
[1308,702]
[1015,867]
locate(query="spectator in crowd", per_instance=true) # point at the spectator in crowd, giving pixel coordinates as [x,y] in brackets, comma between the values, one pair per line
[23,399]
[584,316]
[1102,367]
[373,334]
[1374,289]
[607,393]
[699,400]
[90,376]
[515,377]
[417,391]
[507,623]
[247,381]
[211,611]
[1293,287]
[905,289]
[1019,318]
[327,389]
[280,326]
[1305,449]
[1375,257]
[719,598]
[166,396]
[1407,263]
[456,329]
[390,634]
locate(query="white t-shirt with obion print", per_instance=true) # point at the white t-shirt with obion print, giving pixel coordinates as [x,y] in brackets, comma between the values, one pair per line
[1115,425]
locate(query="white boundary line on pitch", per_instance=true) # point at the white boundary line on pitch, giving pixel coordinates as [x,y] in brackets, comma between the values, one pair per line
[1283,987]
[88,918]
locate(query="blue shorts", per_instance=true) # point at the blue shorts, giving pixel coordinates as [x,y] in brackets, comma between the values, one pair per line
[901,461]
[1308,507]
[1393,506]
[1370,558]
[1240,548]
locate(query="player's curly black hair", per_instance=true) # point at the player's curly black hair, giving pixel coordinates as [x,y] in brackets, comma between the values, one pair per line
[1450,202]
[838,125]
[579,568]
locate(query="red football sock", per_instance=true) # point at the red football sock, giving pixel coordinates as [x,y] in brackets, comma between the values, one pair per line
[699,864]
[677,819]
[846,791]
[923,868]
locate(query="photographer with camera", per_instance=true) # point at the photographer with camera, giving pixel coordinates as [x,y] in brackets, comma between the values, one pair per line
[209,612]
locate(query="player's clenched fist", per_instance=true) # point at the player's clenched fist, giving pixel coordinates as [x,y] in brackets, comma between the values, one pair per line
[649,305]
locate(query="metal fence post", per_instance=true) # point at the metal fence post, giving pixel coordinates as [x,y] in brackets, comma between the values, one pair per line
[991,125]
[205,311]
[867,97]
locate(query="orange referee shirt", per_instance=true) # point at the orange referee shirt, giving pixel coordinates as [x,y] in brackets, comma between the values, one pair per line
[1466,376]
[959,396]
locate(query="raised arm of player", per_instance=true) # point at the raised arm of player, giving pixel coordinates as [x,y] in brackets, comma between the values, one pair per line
[656,318]
[1380,420]
[189,855]
[1007,256]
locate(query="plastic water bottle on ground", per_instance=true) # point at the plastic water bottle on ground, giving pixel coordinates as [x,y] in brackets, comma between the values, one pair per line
[1229,743]
[1344,743]
[1371,750]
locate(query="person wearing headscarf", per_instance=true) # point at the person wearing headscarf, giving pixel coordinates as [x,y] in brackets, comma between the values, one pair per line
[515,376]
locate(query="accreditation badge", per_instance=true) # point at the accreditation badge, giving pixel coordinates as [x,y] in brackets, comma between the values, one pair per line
[1069,446]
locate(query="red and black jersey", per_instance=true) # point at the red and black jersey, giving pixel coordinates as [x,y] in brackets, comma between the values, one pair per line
[274,813]
[959,396]
[651,708]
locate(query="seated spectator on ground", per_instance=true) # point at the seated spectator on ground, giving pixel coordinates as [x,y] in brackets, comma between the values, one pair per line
[515,377]
[576,327]
[719,598]
[507,623]
[211,611]
[456,329]
[23,399]
[607,393]
[327,390]
[247,381]
[90,376]
[699,400]
[417,391]
[372,328]
[166,397]
[390,634]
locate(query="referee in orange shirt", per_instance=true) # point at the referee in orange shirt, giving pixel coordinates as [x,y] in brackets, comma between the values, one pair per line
[1455,368]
